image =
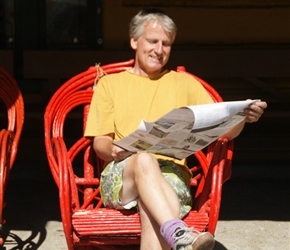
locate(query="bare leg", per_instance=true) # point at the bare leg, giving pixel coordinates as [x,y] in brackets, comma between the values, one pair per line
[151,239]
[142,178]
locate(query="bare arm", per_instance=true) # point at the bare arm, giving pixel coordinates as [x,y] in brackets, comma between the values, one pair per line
[252,113]
[107,151]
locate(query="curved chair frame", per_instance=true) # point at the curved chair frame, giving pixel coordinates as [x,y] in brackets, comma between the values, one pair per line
[86,223]
[11,95]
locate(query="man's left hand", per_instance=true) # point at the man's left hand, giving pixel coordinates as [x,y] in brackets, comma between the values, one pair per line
[255,111]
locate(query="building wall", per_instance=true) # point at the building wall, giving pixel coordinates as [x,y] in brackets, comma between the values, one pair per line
[243,52]
[205,26]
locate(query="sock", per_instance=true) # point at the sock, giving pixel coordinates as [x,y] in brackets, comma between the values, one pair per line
[168,228]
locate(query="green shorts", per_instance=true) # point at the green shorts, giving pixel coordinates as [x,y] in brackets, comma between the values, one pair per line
[111,184]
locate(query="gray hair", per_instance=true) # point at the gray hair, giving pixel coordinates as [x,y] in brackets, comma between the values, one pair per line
[136,27]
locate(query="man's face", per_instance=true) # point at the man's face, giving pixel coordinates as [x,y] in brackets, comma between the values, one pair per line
[152,49]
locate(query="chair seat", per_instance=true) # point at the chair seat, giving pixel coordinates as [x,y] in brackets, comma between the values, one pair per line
[119,226]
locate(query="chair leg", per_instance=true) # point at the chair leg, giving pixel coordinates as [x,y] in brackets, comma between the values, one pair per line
[4,162]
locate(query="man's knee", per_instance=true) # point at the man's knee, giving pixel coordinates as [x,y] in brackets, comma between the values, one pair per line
[145,157]
[144,162]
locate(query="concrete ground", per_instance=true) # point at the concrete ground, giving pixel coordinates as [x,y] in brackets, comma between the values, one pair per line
[255,211]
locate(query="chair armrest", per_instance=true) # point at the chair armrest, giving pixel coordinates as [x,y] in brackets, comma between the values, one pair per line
[57,157]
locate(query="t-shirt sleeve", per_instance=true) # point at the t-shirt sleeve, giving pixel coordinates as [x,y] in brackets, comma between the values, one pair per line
[197,93]
[100,118]
[203,97]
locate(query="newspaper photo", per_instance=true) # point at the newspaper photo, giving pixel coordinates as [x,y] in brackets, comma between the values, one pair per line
[184,131]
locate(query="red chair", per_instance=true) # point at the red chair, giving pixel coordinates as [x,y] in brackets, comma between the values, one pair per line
[11,97]
[86,223]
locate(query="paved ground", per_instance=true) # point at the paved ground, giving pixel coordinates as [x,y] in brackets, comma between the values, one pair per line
[255,212]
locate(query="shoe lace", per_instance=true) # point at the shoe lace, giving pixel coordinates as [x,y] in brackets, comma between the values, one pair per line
[181,233]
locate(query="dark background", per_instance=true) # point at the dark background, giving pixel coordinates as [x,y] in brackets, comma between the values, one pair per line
[241,48]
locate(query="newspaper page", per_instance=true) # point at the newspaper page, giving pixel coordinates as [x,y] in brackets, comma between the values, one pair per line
[184,131]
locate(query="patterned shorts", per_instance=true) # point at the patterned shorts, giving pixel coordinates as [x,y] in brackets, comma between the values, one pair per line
[111,184]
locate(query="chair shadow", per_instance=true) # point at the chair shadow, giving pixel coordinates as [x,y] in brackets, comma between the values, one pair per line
[14,242]
[30,204]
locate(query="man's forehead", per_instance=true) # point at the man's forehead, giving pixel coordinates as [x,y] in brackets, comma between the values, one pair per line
[152,31]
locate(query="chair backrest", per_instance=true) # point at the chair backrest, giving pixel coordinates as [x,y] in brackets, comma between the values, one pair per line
[78,92]
[11,96]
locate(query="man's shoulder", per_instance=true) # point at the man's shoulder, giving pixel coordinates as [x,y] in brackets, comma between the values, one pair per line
[115,75]
[112,78]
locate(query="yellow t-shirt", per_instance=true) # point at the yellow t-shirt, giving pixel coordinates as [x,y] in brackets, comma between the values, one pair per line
[121,100]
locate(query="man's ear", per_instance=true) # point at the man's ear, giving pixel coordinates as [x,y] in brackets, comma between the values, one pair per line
[133,43]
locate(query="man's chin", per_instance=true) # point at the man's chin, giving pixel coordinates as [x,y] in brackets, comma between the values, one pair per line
[155,66]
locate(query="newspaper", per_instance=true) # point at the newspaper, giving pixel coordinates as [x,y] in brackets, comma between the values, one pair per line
[184,131]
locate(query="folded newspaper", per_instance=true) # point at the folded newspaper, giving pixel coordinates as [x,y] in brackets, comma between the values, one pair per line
[184,131]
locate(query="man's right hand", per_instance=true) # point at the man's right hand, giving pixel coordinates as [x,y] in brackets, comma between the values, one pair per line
[107,151]
[120,154]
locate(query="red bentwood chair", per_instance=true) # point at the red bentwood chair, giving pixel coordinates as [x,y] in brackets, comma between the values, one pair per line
[86,223]
[11,97]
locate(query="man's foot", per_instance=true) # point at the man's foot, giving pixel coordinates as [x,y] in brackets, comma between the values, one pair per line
[189,239]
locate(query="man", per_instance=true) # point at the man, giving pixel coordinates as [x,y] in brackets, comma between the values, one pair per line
[157,185]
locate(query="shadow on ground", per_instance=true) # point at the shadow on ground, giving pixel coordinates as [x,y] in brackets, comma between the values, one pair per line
[30,204]
[253,193]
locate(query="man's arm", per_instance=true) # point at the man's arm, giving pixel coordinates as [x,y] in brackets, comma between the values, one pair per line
[107,151]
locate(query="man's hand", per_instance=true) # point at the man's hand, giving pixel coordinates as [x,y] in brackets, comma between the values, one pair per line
[107,151]
[120,154]
[255,111]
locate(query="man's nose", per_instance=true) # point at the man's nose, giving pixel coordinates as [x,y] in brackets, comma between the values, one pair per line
[159,47]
